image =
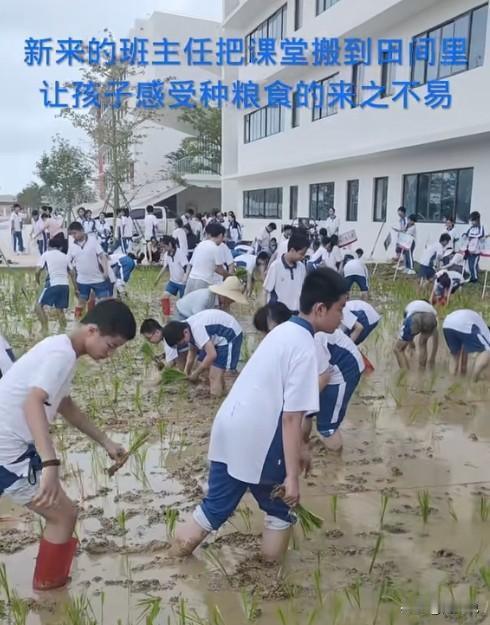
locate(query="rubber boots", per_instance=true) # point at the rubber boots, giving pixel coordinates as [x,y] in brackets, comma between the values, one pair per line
[53,564]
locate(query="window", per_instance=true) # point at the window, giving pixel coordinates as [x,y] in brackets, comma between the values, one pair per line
[323,5]
[298,14]
[388,75]
[321,199]
[357,82]
[263,203]
[294,112]
[264,122]
[380,199]
[273,27]
[471,26]
[321,98]
[293,202]
[436,195]
[352,199]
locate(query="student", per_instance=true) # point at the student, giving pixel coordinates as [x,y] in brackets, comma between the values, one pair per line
[411,230]
[192,240]
[286,275]
[282,247]
[16,225]
[225,259]
[332,224]
[155,251]
[91,267]
[151,230]
[122,267]
[234,230]
[39,230]
[32,392]
[327,255]
[431,258]
[213,334]
[359,320]
[104,232]
[340,366]
[466,333]
[176,262]
[89,226]
[197,227]
[420,318]
[254,265]
[7,357]
[263,241]
[356,272]
[448,280]
[270,316]
[181,236]
[56,292]
[126,231]
[449,229]
[400,228]
[256,440]
[206,260]
[475,240]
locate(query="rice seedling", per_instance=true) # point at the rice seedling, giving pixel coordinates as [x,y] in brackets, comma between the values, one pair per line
[250,606]
[377,547]
[245,513]
[4,583]
[313,617]
[213,558]
[423,498]
[308,521]
[138,442]
[138,403]
[337,606]
[18,609]
[474,561]
[217,617]
[170,517]
[317,582]
[170,375]
[485,575]
[484,508]
[79,611]
[245,353]
[148,355]
[121,519]
[116,386]
[353,594]
[162,429]
[452,512]
[333,507]
[384,504]
[472,595]
[150,609]
[102,603]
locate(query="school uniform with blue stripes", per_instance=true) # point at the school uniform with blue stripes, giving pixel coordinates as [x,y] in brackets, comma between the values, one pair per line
[223,331]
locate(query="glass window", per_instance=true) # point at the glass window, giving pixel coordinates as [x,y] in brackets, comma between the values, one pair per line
[433,70]
[275,27]
[321,199]
[435,197]
[478,36]
[462,30]
[388,75]
[463,196]
[263,203]
[447,33]
[293,202]
[448,193]
[326,109]
[323,5]
[294,112]
[352,199]
[357,82]
[380,198]
[298,14]
[263,123]
[421,208]
[419,67]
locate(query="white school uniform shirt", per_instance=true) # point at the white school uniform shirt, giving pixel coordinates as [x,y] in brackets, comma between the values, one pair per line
[264,241]
[412,231]
[419,306]
[38,229]
[196,227]
[50,366]
[456,277]
[464,321]
[103,230]
[329,259]
[5,360]
[250,261]
[56,265]
[431,256]
[126,227]
[332,225]
[359,305]
[195,302]
[181,236]
[235,232]
[204,260]
[213,325]
[89,226]
[286,282]
[151,226]
[176,266]
[85,259]
[54,225]
[355,267]
[16,221]
[244,249]
[454,237]
[326,344]
[280,376]
[476,239]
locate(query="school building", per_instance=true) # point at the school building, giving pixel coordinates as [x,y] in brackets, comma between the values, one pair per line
[280,164]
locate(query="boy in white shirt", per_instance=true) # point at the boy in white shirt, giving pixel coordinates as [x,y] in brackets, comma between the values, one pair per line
[431,259]
[151,230]
[355,272]
[176,262]
[411,230]
[104,232]
[207,260]
[420,319]
[466,333]
[256,441]
[215,337]
[359,320]
[181,236]
[56,292]
[7,357]
[253,265]
[32,392]
[16,225]
[39,223]
[327,255]
[286,275]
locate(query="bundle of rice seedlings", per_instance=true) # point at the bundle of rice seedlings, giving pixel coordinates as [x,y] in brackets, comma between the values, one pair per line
[170,375]
[308,521]
[138,442]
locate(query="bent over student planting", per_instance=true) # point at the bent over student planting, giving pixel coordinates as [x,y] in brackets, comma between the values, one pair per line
[32,392]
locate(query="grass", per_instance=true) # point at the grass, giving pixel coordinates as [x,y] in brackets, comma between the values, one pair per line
[150,609]
[353,594]
[245,513]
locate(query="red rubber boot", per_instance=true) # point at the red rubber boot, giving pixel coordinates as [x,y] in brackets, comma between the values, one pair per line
[78,312]
[53,564]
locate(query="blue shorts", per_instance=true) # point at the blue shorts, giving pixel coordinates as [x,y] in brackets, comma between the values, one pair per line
[425,272]
[361,282]
[334,400]
[9,478]
[367,327]
[174,288]
[227,356]
[471,343]
[101,289]
[55,296]
[406,333]
[225,492]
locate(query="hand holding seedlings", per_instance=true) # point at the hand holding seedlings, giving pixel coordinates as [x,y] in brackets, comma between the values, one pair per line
[306,519]
[114,450]
[139,441]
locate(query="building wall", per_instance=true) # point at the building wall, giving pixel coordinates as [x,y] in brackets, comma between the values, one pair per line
[201,199]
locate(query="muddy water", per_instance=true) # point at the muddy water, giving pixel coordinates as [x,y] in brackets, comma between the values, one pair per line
[405,435]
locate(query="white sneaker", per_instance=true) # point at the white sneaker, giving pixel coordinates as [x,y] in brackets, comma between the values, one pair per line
[410,272]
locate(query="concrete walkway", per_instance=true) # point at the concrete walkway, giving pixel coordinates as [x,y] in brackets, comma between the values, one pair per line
[29,259]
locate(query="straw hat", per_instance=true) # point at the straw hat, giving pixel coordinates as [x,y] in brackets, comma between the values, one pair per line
[231,288]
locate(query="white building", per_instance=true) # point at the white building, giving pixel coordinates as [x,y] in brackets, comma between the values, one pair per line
[362,161]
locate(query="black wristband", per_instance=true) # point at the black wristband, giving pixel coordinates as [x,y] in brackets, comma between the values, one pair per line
[51,463]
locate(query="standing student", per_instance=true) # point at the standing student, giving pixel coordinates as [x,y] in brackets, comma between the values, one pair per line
[332,223]
[180,235]
[420,319]
[356,272]
[176,262]
[16,226]
[263,241]
[450,230]
[151,230]
[411,230]
[466,333]
[56,293]
[89,225]
[7,357]
[32,392]
[207,260]
[54,224]
[475,239]
[431,258]
[39,223]
[126,231]
[400,228]
[91,267]
[197,227]
[359,320]
[215,337]
[256,442]
[286,274]
[234,230]
[104,232]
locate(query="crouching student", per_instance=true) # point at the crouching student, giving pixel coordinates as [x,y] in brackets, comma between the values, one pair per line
[215,337]
[356,272]
[123,267]
[359,320]
[340,365]
[256,442]
[431,259]
[446,283]
[32,392]
[7,357]
[466,333]
[420,319]
[255,266]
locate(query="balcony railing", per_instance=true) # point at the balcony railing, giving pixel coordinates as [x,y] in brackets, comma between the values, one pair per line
[197,165]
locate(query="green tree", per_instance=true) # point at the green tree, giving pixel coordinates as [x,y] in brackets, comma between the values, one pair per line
[67,175]
[31,196]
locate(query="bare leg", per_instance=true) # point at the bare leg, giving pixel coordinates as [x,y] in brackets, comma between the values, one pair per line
[434,347]
[334,442]
[60,520]
[423,338]
[216,381]
[61,319]
[275,544]
[400,353]
[43,318]
[188,537]
[464,362]
[364,295]
[454,363]
[481,363]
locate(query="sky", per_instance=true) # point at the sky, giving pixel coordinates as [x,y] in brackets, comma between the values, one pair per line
[26,127]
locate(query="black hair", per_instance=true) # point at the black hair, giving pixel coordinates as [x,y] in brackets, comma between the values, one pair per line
[59,243]
[34,213]
[325,241]
[168,240]
[287,227]
[75,226]
[444,281]
[45,215]
[449,218]
[173,332]
[126,212]
[347,258]
[360,252]
[215,230]
[178,222]
[263,256]
[131,255]
[149,326]
[334,239]
[190,211]
[323,232]
[475,216]
[444,238]
[272,226]
[298,242]
[402,209]
[413,217]
[276,312]
[113,318]
[322,286]
[149,209]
